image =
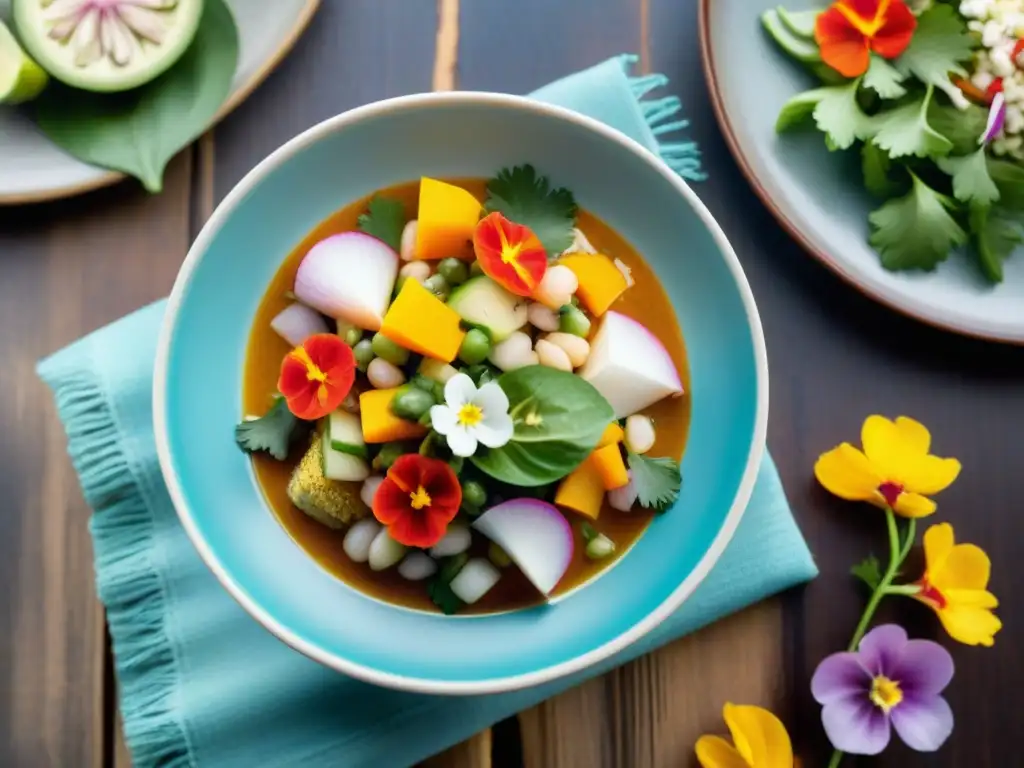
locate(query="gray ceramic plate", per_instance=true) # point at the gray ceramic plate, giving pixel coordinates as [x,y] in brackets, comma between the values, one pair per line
[817,195]
[32,169]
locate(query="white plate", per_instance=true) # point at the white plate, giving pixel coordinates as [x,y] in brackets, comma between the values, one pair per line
[32,169]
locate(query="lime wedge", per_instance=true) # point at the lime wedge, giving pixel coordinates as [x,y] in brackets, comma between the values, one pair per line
[21,79]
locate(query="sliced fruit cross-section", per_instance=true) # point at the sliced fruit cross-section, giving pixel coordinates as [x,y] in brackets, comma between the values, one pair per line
[21,79]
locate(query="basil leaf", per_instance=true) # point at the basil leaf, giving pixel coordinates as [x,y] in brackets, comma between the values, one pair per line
[558,419]
[139,131]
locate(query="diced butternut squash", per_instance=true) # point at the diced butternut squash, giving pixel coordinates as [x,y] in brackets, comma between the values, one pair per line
[447,217]
[421,322]
[613,435]
[610,465]
[601,282]
[380,425]
[582,490]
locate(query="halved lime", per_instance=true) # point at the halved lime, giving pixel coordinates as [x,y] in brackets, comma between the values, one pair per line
[21,79]
[106,45]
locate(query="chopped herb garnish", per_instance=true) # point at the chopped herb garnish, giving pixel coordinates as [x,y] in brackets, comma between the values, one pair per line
[274,432]
[528,199]
[657,481]
[385,220]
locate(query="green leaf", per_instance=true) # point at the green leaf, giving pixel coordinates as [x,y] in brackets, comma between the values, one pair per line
[139,131]
[800,23]
[971,182]
[1009,180]
[528,199]
[877,168]
[939,44]
[905,131]
[884,79]
[385,220]
[274,432]
[558,419]
[439,589]
[798,47]
[995,235]
[657,481]
[915,231]
[963,127]
[836,113]
[869,571]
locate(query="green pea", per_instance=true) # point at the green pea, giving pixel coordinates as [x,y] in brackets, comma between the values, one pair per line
[475,347]
[473,494]
[388,455]
[411,403]
[438,286]
[387,349]
[498,556]
[363,352]
[453,270]
[353,336]
[422,382]
[475,269]
[572,320]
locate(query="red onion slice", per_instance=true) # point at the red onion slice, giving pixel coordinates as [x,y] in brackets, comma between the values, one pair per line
[996,118]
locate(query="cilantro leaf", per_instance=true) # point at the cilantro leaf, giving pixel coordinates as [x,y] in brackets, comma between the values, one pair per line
[915,231]
[971,182]
[905,131]
[836,113]
[440,590]
[1009,180]
[995,236]
[963,127]
[528,199]
[385,220]
[884,79]
[273,432]
[657,481]
[939,44]
[869,571]
[876,167]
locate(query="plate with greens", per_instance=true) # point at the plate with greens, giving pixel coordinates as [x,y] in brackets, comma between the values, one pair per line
[92,92]
[887,136]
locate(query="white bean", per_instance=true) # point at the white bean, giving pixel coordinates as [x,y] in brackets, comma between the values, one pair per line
[553,356]
[384,375]
[369,489]
[359,539]
[417,270]
[416,567]
[542,318]
[639,433]
[408,249]
[514,352]
[625,497]
[557,286]
[385,551]
[475,580]
[455,541]
[578,349]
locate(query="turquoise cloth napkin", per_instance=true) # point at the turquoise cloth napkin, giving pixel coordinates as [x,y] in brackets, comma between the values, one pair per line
[200,682]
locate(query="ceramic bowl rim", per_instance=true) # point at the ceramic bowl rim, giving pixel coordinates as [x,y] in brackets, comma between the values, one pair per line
[421,684]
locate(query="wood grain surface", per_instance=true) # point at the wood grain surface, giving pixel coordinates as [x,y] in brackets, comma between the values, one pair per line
[70,267]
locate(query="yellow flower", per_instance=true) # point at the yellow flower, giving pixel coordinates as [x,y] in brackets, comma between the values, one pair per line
[894,470]
[955,585]
[760,738]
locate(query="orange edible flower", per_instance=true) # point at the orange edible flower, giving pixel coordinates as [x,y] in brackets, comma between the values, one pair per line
[417,500]
[849,30]
[317,375]
[510,254]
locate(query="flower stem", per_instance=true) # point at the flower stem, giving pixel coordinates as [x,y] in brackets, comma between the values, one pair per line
[837,757]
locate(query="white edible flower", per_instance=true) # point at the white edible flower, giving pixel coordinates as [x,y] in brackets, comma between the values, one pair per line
[471,416]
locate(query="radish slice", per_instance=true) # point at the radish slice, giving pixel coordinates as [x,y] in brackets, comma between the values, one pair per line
[475,580]
[996,118]
[350,277]
[297,322]
[535,535]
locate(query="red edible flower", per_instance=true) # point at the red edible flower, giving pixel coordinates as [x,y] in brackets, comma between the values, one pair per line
[317,375]
[510,254]
[417,500]
[849,30]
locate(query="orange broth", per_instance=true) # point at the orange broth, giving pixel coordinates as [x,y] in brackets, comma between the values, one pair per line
[645,302]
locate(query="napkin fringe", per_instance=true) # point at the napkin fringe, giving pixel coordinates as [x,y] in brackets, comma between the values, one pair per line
[683,157]
[127,582]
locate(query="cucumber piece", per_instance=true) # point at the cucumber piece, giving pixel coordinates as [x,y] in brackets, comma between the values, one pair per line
[800,23]
[482,303]
[338,465]
[345,432]
[799,48]
[104,47]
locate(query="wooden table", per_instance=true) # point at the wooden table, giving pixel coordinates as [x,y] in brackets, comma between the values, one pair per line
[73,266]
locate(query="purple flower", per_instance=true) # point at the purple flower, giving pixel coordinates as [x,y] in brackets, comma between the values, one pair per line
[888,679]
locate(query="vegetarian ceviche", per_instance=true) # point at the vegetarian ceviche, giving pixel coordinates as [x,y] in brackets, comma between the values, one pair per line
[466,396]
